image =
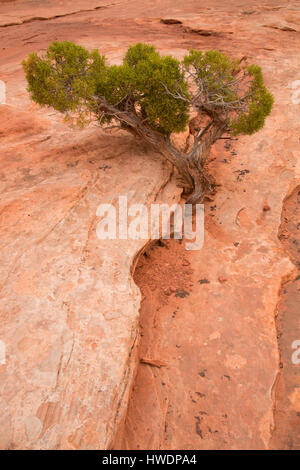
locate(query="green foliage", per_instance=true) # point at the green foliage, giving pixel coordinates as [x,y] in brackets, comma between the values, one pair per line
[215,70]
[260,104]
[152,88]
[139,52]
[65,78]
[215,73]
[141,81]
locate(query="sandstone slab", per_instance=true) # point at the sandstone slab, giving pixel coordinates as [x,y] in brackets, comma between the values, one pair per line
[69,306]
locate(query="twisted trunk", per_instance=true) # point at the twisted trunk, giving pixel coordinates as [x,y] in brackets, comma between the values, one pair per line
[189,165]
[197,159]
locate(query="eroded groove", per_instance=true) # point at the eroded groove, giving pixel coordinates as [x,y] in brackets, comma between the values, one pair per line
[54,17]
[286,434]
[162,271]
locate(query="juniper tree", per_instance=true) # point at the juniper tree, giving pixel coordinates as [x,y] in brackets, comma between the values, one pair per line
[154,96]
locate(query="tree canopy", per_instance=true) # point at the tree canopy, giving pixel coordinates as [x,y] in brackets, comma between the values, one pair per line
[153,95]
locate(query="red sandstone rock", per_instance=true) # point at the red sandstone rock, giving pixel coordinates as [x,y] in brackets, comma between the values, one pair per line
[69,307]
